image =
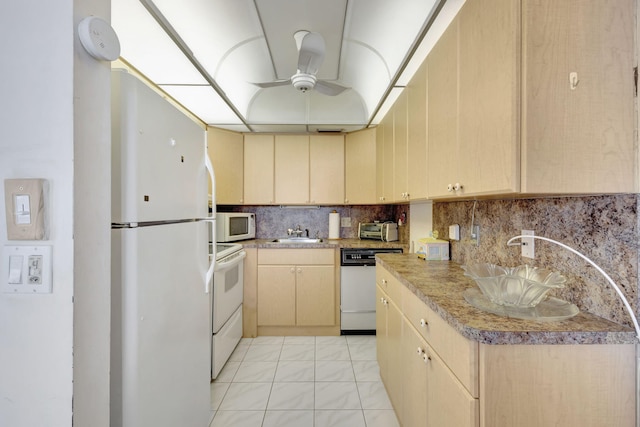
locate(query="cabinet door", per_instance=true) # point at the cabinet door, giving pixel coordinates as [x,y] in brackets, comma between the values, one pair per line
[414,402]
[387,159]
[292,169]
[417,134]
[258,169]
[488,73]
[448,402]
[315,295]
[394,357]
[360,167]
[226,151]
[382,342]
[442,113]
[326,169]
[276,295]
[380,161]
[400,170]
[579,139]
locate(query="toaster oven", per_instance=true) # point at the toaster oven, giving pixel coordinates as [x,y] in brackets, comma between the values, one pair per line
[383,231]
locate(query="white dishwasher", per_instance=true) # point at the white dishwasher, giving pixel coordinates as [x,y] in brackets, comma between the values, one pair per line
[358,289]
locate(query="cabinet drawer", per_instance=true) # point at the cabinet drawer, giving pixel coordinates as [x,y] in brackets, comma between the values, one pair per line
[460,353]
[389,284]
[296,256]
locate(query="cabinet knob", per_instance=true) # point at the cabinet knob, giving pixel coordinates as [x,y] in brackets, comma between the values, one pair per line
[299,270]
[420,350]
[293,270]
[426,358]
[457,186]
[423,323]
[450,188]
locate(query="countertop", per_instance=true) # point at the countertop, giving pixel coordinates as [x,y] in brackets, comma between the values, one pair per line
[325,243]
[440,285]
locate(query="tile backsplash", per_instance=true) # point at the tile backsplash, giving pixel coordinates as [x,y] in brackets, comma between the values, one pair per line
[603,228]
[273,221]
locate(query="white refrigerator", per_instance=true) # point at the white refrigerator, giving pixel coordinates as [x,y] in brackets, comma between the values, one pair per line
[160,352]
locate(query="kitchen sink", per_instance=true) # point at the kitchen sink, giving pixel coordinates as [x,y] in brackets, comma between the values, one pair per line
[297,240]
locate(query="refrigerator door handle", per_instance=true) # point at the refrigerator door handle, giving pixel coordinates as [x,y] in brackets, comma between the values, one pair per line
[212,177]
[212,256]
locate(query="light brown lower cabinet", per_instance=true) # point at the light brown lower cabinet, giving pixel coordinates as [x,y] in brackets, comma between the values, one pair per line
[296,288]
[436,377]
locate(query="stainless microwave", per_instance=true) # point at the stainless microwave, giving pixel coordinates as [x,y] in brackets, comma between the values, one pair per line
[232,226]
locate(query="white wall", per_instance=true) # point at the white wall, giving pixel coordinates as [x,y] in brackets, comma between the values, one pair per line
[421,221]
[38,139]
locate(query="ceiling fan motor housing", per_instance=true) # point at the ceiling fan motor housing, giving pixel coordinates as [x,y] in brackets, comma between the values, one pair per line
[303,82]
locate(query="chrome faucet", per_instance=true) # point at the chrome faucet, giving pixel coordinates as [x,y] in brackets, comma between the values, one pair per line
[298,231]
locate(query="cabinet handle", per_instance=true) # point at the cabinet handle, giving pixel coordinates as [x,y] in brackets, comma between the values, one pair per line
[423,323]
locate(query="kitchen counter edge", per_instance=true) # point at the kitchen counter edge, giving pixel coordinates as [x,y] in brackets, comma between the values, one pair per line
[324,244]
[440,285]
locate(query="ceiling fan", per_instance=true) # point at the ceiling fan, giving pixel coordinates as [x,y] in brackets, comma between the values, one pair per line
[311,49]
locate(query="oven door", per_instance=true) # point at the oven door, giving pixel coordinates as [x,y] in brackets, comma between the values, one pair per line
[227,288]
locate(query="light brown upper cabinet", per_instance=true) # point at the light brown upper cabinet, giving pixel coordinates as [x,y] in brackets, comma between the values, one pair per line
[292,169]
[473,103]
[384,159]
[226,151]
[258,169]
[326,169]
[360,167]
[400,149]
[578,90]
[417,134]
[442,114]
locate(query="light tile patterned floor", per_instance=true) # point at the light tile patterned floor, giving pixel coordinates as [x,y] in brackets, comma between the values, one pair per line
[302,382]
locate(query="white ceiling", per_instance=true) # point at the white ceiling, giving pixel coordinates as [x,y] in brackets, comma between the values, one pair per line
[208,53]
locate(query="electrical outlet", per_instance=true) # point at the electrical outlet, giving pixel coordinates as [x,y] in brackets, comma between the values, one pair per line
[345,221]
[528,245]
[475,235]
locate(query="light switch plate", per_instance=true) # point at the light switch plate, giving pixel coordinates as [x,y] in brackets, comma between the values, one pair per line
[454,232]
[26,270]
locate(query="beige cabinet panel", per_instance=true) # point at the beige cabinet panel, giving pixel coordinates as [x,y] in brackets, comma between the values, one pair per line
[360,167]
[578,140]
[488,105]
[400,149]
[442,114]
[297,287]
[226,151]
[448,402]
[258,169]
[382,342]
[276,295]
[380,162]
[394,356]
[292,169]
[417,134]
[386,166]
[414,405]
[570,385]
[315,297]
[326,169]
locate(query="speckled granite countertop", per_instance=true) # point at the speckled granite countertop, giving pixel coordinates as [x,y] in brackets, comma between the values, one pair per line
[440,284]
[325,243]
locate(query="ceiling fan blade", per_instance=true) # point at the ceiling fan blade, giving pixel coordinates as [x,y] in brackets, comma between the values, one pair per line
[311,54]
[274,83]
[328,88]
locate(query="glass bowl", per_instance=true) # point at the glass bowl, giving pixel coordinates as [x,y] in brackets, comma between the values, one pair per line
[522,286]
